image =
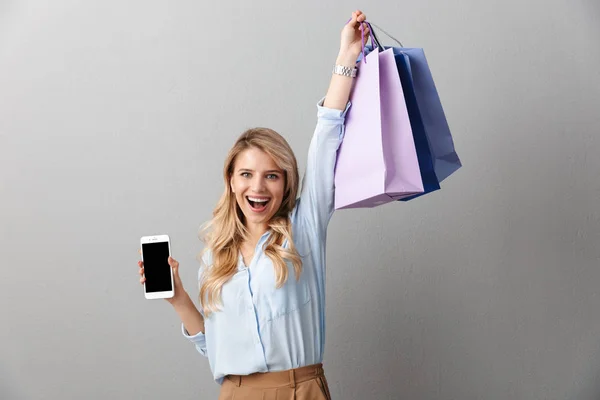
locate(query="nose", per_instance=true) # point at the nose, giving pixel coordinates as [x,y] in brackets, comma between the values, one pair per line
[258,184]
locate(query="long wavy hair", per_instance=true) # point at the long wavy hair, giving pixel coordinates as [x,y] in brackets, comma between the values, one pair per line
[226,231]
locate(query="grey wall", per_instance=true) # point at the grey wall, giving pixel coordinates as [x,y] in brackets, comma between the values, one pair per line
[115,118]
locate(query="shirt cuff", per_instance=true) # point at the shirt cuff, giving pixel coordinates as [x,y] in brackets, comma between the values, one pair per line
[198,338]
[331,113]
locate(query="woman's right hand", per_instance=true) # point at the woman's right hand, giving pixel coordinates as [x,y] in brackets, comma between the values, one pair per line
[180,293]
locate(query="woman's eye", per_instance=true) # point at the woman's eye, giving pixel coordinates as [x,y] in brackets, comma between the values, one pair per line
[245,174]
[272,176]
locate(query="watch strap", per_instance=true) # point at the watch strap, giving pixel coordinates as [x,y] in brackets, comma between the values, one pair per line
[345,71]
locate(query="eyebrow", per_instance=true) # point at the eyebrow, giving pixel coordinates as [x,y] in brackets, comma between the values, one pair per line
[251,170]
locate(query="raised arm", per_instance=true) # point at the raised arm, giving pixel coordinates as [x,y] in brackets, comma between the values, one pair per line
[316,203]
[350,47]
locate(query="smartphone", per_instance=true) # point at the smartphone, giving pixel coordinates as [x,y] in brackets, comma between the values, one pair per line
[156,251]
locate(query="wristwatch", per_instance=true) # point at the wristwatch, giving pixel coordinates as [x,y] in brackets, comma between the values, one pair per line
[345,71]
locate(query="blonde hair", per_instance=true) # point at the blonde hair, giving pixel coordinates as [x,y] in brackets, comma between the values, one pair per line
[225,232]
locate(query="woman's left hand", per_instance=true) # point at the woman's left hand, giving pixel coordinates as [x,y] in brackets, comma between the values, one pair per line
[351,44]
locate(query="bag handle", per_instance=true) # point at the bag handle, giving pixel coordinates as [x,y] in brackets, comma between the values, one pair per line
[374,39]
[390,36]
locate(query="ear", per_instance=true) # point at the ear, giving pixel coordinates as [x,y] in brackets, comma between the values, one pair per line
[231,185]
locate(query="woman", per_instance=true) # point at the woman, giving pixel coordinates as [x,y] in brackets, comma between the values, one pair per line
[262,274]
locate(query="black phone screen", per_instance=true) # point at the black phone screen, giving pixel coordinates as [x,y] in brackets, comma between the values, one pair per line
[156,267]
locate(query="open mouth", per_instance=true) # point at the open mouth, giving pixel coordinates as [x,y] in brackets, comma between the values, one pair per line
[258,204]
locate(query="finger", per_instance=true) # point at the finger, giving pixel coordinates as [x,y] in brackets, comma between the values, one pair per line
[142,280]
[173,262]
[141,271]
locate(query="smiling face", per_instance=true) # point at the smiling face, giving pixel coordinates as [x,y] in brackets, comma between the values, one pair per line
[258,184]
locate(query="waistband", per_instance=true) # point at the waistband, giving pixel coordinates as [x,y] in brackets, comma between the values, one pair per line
[278,378]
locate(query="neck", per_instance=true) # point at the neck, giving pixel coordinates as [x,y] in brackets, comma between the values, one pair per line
[256,231]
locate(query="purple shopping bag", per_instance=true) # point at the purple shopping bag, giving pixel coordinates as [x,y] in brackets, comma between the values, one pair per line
[377,161]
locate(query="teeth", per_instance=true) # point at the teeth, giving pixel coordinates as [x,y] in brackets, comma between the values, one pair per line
[254,199]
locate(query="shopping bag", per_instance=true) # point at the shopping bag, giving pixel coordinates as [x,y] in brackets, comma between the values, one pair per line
[431,182]
[445,159]
[435,147]
[377,160]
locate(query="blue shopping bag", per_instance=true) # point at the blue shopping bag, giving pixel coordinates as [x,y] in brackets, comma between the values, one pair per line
[431,182]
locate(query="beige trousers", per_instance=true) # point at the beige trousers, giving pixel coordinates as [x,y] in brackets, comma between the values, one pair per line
[305,383]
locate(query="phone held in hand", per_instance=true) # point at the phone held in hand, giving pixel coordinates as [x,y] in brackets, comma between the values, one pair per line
[156,251]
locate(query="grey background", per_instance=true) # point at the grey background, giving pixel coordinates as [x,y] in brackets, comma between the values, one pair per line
[115,118]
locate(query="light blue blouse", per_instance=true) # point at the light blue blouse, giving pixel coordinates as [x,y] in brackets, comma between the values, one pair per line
[260,328]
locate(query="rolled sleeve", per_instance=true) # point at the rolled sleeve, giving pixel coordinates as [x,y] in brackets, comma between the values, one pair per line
[331,114]
[199,340]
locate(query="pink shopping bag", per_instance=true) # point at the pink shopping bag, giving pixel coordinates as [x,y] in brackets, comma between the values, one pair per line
[377,161]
